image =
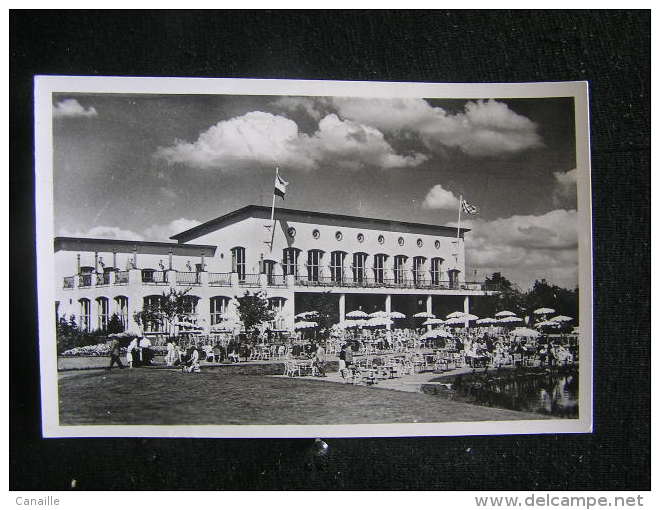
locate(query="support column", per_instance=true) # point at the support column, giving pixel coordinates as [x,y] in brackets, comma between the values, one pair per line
[342,307]
[466,309]
[388,307]
[429,308]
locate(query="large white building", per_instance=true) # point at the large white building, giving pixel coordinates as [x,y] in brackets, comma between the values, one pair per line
[367,263]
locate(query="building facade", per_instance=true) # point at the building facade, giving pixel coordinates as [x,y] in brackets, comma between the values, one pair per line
[364,263]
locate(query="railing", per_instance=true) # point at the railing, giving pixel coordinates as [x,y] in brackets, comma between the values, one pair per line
[220,279]
[85,280]
[103,279]
[154,277]
[276,280]
[187,278]
[121,278]
[69,282]
[248,280]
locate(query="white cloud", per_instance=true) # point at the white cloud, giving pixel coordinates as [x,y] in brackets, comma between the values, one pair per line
[566,187]
[72,108]
[307,105]
[163,232]
[104,232]
[267,139]
[483,128]
[440,198]
[525,248]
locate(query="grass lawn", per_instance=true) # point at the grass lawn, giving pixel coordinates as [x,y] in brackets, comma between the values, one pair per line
[169,397]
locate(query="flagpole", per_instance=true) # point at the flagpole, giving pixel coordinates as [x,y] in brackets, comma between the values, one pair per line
[458,229]
[272,209]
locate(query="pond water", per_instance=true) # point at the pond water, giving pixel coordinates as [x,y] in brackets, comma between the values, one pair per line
[546,391]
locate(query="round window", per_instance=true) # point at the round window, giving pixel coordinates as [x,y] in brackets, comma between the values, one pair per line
[401,241]
[381,239]
[338,235]
[360,237]
[316,234]
[437,245]
[291,232]
[420,243]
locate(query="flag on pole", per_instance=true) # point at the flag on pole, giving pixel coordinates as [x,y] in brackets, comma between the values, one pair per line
[469,209]
[280,186]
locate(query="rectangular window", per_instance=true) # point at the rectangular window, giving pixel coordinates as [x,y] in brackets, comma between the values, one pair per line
[436,269]
[102,307]
[400,269]
[290,261]
[379,267]
[337,266]
[218,309]
[313,265]
[359,262]
[238,262]
[84,321]
[418,270]
[122,309]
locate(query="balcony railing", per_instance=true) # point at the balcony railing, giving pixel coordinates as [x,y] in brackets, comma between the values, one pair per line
[154,277]
[187,278]
[323,277]
[249,280]
[275,280]
[121,277]
[220,279]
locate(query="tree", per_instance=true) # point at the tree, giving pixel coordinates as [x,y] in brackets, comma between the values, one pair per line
[115,325]
[253,310]
[325,304]
[174,305]
[509,297]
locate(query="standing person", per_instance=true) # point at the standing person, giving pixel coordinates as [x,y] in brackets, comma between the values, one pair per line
[319,360]
[114,354]
[170,356]
[145,351]
[342,362]
[129,352]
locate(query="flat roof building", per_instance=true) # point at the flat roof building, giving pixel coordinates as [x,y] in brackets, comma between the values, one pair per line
[364,263]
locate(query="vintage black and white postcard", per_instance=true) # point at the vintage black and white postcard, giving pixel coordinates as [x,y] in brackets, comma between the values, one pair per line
[277,258]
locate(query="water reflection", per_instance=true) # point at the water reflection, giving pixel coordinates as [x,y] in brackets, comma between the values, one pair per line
[546,391]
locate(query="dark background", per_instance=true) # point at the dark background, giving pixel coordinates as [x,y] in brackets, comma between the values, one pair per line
[610,49]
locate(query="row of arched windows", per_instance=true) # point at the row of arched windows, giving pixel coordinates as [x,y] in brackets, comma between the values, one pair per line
[356,266]
[103,312]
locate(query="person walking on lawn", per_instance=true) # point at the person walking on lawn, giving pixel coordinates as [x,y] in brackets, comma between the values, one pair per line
[114,354]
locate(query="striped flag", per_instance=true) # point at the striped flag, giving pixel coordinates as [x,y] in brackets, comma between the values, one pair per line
[469,209]
[280,186]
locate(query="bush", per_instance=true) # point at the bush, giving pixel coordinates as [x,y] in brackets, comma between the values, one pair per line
[69,336]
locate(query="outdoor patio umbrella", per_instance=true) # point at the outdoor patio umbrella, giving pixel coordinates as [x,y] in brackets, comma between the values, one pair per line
[509,320]
[547,324]
[453,315]
[357,314]
[525,332]
[505,313]
[305,315]
[436,333]
[377,322]
[544,311]
[432,322]
[486,320]
[357,323]
[305,325]
[562,318]
[378,314]
[455,321]
[469,317]
[397,315]
[424,315]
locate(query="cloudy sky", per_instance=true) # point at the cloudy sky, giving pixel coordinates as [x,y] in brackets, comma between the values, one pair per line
[147,167]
